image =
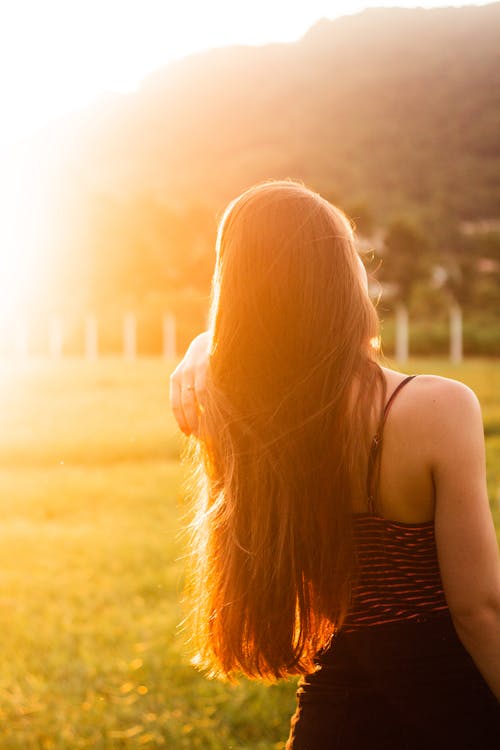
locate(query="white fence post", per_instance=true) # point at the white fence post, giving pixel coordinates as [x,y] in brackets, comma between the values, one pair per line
[401,347]
[55,337]
[169,342]
[129,336]
[21,338]
[91,338]
[456,337]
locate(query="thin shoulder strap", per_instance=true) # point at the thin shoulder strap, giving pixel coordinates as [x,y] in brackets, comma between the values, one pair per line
[374,448]
[393,395]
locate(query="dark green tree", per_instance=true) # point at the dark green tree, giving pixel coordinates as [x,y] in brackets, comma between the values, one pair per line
[405,259]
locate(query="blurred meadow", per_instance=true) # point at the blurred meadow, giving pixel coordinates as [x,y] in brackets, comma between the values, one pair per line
[91,564]
[91,571]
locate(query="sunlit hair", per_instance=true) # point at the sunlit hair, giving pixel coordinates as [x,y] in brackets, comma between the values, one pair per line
[284,435]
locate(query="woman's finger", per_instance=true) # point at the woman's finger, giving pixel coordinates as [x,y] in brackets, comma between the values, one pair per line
[200,385]
[176,404]
[189,406]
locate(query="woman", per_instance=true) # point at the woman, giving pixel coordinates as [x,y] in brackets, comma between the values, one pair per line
[373,574]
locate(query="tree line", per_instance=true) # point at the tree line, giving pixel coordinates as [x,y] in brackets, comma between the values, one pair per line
[149,258]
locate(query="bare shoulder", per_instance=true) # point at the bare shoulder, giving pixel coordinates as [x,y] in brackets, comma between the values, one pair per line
[446,402]
[440,416]
[434,396]
[442,395]
[449,421]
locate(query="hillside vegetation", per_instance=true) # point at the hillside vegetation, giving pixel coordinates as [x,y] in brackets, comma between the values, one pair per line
[400,107]
[394,114]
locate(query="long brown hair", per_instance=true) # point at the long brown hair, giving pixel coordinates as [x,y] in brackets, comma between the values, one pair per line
[284,444]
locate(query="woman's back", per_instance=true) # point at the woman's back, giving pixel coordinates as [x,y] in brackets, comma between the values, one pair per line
[431,467]
[397,572]
[403,476]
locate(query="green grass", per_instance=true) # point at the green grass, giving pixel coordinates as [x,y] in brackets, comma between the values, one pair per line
[91,566]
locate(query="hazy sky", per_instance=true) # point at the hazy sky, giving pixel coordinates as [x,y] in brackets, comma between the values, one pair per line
[59,55]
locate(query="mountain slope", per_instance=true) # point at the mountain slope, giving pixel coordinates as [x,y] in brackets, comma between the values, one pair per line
[397,107]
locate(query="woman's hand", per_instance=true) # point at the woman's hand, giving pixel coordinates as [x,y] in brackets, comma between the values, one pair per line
[187,384]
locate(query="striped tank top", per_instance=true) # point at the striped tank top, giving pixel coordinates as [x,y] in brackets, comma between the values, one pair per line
[398,574]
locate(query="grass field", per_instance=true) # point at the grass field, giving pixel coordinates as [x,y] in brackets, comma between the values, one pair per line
[91,565]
